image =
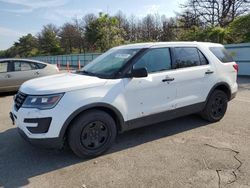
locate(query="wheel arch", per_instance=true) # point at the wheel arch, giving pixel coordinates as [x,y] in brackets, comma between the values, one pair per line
[223,86]
[111,110]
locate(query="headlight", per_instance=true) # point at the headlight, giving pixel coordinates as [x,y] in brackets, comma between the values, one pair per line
[42,102]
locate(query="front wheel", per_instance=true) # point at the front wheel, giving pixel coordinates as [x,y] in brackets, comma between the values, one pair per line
[216,106]
[92,133]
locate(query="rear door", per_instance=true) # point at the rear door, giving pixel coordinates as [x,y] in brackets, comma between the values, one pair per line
[22,71]
[194,75]
[5,76]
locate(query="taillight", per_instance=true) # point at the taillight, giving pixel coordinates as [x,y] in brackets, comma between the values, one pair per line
[57,69]
[236,67]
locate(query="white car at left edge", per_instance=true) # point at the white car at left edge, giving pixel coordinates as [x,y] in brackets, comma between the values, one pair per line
[14,72]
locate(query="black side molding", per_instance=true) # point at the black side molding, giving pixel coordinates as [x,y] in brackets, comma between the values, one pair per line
[164,116]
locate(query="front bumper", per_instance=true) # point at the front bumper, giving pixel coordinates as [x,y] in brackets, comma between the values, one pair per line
[52,143]
[38,127]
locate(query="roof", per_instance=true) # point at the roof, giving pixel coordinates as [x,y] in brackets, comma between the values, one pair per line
[21,59]
[162,44]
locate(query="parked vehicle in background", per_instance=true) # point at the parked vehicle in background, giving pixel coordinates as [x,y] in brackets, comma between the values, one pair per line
[14,72]
[125,88]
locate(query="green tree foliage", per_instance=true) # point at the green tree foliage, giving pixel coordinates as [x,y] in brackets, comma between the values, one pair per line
[210,34]
[104,32]
[239,30]
[27,46]
[48,40]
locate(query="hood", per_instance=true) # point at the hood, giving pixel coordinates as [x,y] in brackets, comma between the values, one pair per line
[60,83]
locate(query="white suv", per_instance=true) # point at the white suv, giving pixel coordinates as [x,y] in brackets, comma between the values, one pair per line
[125,88]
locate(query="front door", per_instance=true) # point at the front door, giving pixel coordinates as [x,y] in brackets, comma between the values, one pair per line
[155,93]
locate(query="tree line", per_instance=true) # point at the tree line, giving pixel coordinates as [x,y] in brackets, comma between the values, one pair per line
[221,21]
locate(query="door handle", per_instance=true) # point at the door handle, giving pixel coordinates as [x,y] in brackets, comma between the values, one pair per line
[168,79]
[7,76]
[209,72]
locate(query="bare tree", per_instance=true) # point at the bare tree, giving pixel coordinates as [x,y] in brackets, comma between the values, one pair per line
[217,12]
[149,32]
[67,35]
[123,24]
[169,27]
[79,35]
[133,33]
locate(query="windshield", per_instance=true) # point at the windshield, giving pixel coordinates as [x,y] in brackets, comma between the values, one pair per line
[109,63]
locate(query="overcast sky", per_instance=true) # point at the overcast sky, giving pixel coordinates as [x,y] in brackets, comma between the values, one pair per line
[20,17]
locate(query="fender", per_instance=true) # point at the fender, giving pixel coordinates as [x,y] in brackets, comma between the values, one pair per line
[224,84]
[109,107]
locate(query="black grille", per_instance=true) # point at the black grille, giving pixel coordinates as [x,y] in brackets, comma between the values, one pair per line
[19,100]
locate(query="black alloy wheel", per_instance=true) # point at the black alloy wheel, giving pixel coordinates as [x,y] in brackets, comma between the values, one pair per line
[216,106]
[92,133]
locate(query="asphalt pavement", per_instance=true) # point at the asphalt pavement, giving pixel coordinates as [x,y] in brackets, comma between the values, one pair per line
[185,152]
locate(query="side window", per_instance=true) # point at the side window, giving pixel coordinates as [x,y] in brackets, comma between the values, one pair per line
[33,65]
[3,67]
[203,59]
[186,57]
[155,60]
[22,66]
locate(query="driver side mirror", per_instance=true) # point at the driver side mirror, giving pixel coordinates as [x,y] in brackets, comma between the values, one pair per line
[139,73]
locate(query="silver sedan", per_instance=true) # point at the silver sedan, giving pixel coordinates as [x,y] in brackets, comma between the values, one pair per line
[13,72]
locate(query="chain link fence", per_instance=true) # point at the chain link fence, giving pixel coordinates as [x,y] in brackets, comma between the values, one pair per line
[71,60]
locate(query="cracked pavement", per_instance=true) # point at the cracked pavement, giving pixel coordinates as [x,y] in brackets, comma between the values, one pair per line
[229,170]
[185,152]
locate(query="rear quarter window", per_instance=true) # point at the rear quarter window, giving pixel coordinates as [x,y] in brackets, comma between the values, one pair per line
[222,54]
[40,65]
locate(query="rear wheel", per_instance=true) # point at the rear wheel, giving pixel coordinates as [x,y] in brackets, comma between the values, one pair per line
[216,106]
[92,133]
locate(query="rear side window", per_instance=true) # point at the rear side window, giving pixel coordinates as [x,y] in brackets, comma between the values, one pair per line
[222,54]
[40,65]
[3,67]
[155,60]
[186,57]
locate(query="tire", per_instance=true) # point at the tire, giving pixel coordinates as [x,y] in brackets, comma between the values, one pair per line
[216,106]
[92,133]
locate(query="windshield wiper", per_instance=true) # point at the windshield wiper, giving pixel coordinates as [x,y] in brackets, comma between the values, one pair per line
[88,73]
[84,72]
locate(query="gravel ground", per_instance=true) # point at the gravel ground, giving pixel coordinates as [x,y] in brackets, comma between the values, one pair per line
[185,152]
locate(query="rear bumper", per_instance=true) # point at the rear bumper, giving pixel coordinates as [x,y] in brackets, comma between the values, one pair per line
[233,95]
[51,143]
